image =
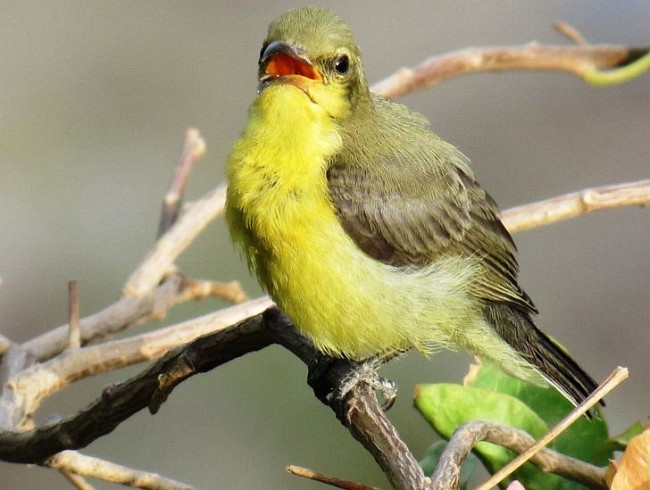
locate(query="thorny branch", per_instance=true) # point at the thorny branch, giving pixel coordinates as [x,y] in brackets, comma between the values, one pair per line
[36,369]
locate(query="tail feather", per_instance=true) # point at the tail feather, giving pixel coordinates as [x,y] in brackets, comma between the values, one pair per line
[552,362]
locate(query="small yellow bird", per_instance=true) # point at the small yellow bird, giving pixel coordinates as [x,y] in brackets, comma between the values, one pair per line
[367,229]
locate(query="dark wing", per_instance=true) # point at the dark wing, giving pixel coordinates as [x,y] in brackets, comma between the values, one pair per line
[406,213]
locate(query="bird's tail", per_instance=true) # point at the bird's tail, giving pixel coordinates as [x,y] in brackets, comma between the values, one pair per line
[550,360]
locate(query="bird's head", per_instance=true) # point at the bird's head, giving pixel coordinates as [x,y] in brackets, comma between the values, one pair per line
[314,50]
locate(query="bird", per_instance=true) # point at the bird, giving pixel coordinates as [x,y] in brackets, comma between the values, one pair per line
[366,228]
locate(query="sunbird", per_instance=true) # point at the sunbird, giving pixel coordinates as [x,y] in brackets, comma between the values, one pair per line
[367,229]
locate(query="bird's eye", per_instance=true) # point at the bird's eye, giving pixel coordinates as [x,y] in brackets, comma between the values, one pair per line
[342,64]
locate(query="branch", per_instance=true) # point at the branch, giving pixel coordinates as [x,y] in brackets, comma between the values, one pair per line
[159,261]
[74,335]
[582,61]
[153,298]
[369,425]
[118,316]
[567,206]
[30,387]
[120,401]
[359,412]
[570,33]
[193,149]
[326,479]
[79,482]
[447,472]
[617,376]
[74,463]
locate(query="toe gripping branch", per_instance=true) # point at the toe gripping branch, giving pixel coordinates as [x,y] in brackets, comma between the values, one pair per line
[334,379]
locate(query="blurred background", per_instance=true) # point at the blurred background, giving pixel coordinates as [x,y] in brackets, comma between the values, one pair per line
[94,100]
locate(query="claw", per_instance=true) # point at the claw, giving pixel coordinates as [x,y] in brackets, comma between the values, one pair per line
[366,372]
[324,370]
[388,390]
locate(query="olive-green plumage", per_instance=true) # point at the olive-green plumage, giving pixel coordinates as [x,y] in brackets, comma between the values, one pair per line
[365,227]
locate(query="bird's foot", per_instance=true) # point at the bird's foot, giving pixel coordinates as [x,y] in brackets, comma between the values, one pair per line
[333,379]
[366,372]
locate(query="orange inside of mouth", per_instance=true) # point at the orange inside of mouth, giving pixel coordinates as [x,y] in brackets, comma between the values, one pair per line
[282,64]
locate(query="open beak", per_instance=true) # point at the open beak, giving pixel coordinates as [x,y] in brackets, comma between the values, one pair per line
[284,61]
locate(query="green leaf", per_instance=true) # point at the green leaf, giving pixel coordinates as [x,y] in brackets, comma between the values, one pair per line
[586,439]
[550,405]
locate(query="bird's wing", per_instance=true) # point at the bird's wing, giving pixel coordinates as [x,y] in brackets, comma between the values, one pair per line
[433,211]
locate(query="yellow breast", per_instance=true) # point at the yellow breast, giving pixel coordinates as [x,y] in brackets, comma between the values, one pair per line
[282,219]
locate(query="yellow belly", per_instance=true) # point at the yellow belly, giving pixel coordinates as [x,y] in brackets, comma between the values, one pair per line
[354,306]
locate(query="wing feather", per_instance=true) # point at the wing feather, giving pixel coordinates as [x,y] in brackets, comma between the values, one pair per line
[441,211]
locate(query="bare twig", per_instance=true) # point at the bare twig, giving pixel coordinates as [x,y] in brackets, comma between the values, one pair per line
[327,480]
[447,473]
[118,316]
[570,33]
[79,482]
[111,320]
[197,288]
[619,375]
[74,337]
[79,464]
[368,424]
[581,61]
[567,206]
[121,401]
[193,150]
[159,261]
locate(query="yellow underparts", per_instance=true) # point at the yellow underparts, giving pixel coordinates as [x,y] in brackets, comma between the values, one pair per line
[282,219]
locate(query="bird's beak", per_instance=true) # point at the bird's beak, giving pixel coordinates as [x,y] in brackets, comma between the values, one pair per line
[286,62]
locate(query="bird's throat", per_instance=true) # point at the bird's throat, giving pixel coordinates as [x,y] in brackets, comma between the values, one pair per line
[278,167]
[297,135]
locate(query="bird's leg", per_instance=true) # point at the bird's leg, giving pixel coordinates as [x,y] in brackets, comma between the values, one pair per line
[350,374]
[366,372]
